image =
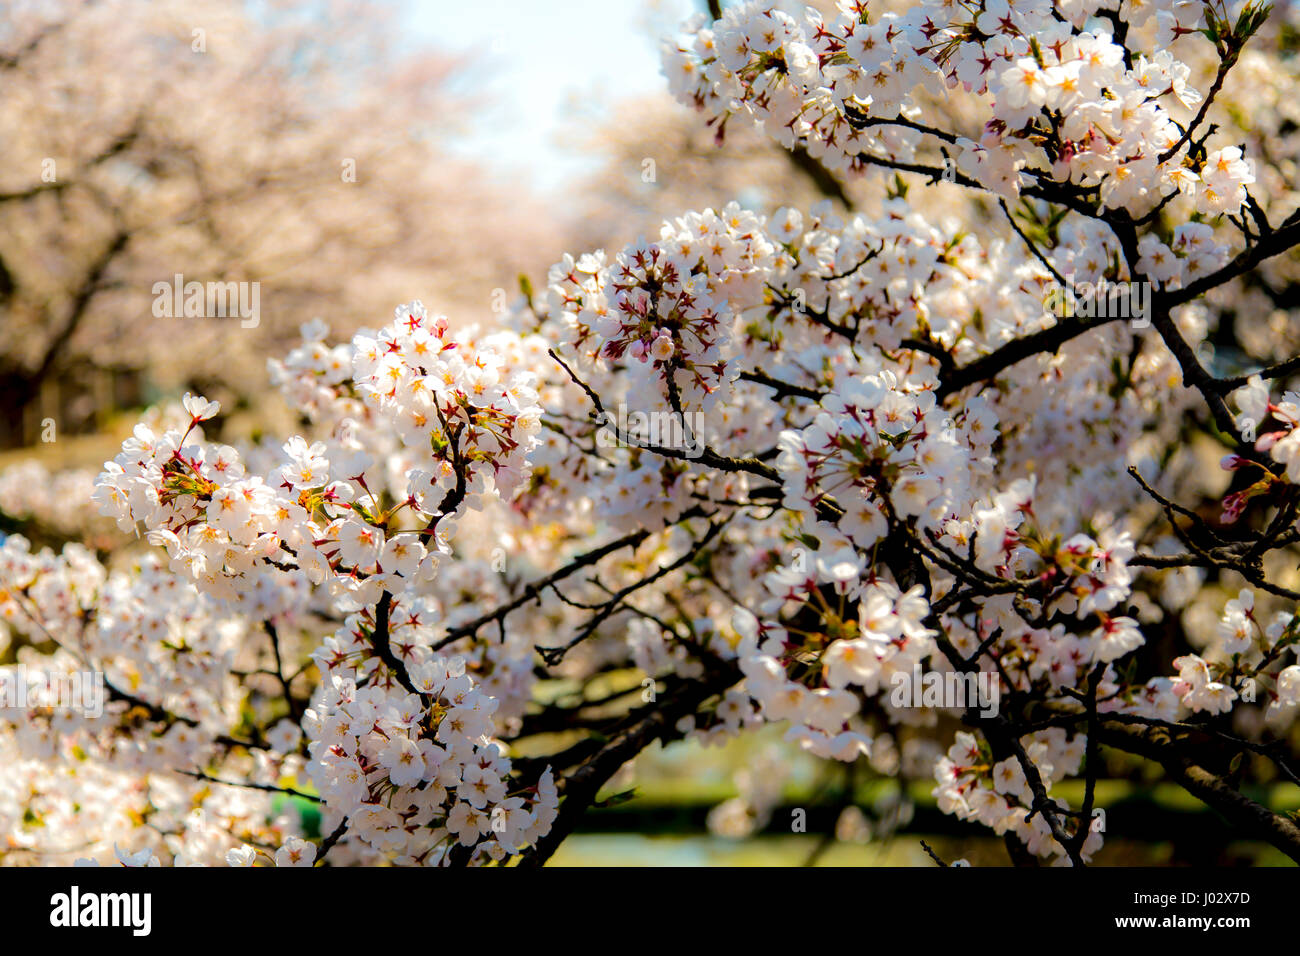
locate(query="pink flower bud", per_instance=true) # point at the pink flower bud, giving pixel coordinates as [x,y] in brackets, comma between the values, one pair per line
[1268,440]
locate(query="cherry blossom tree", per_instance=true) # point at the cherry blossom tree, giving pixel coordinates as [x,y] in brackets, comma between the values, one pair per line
[797,468]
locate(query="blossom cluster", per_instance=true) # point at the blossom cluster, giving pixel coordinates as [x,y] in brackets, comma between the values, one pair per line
[415,773]
[1060,99]
[971,785]
[278,535]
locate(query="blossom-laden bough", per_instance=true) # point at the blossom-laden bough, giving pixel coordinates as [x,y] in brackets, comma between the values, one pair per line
[904,464]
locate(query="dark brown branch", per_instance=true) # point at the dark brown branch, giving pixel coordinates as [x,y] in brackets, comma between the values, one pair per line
[533,590]
[1017,350]
[267,787]
[655,721]
[1252,818]
[553,655]
[782,389]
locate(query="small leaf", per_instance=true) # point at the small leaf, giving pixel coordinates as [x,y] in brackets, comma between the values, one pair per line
[617,798]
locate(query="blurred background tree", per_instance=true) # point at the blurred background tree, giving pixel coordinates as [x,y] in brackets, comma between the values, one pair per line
[282,143]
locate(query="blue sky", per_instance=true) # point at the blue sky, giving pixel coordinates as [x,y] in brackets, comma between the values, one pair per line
[540,61]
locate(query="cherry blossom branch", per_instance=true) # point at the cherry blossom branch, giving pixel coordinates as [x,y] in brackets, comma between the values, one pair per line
[1251,817]
[704,456]
[248,785]
[295,711]
[1031,245]
[553,655]
[533,590]
[1225,64]
[782,389]
[379,640]
[904,562]
[655,721]
[1280,370]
